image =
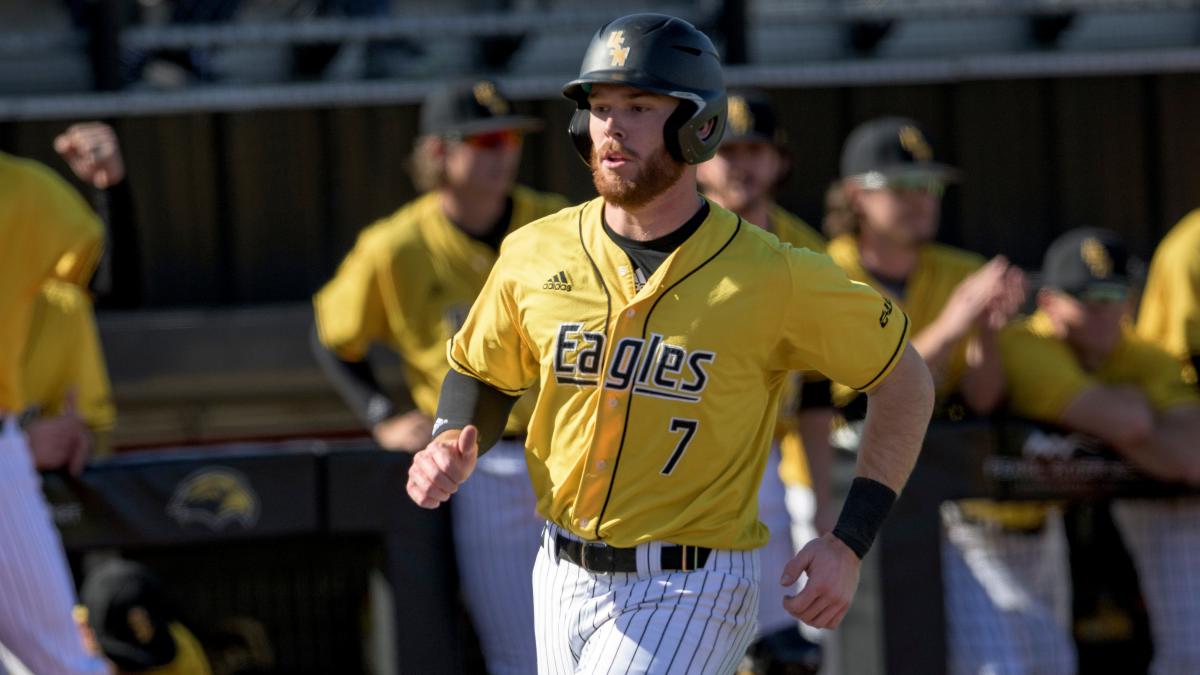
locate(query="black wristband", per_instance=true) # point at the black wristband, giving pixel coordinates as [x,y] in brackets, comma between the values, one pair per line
[866,507]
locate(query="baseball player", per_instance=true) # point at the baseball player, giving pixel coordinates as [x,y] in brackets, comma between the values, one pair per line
[751,164]
[658,329]
[408,284]
[1076,363]
[127,616]
[1169,315]
[63,365]
[883,216]
[46,231]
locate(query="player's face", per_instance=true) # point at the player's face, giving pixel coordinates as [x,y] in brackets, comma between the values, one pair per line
[905,212]
[630,162]
[742,175]
[1092,327]
[484,164]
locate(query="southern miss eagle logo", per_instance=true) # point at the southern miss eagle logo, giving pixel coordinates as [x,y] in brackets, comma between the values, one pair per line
[215,497]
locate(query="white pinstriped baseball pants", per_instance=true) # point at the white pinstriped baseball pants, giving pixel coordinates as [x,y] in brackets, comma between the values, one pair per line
[1007,598]
[36,593]
[648,622]
[496,535]
[1163,539]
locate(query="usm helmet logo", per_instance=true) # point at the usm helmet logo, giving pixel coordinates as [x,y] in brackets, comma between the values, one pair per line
[1096,257]
[616,48]
[215,497]
[912,140]
[886,314]
[487,96]
[741,120]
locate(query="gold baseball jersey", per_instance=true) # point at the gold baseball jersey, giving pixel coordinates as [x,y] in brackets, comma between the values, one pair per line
[791,229]
[1170,312]
[939,270]
[408,283]
[47,231]
[64,353]
[656,407]
[1043,375]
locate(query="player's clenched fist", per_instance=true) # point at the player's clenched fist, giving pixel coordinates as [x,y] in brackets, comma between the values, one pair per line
[92,151]
[443,465]
[832,570]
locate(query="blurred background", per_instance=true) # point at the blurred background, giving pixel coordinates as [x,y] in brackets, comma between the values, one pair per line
[262,135]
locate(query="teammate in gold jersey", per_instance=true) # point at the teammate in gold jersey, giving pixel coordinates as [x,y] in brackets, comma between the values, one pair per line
[1077,364]
[658,330]
[63,372]
[1169,315]
[408,284]
[883,217]
[47,231]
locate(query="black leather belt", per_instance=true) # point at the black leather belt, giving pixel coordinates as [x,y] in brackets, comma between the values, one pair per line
[598,557]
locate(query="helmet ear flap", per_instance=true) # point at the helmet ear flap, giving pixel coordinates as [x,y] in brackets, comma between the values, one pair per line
[580,135]
[674,126]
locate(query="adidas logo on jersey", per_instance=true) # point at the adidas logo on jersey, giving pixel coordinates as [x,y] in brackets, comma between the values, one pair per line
[558,282]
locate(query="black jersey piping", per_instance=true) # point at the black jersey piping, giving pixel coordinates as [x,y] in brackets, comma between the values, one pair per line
[645,327]
[903,340]
[596,269]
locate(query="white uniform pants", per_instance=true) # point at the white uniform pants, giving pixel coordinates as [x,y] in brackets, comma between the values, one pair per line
[36,592]
[1163,538]
[1007,599]
[496,535]
[649,622]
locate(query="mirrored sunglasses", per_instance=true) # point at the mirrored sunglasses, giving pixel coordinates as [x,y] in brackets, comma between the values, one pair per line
[491,140]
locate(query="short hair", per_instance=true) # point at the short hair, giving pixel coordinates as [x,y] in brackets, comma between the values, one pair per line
[427,169]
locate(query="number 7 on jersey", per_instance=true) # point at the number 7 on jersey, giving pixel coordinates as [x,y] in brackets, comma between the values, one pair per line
[688,427]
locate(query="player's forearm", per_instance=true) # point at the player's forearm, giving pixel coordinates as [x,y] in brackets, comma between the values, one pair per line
[898,413]
[356,384]
[1119,416]
[1172,448]
[982,384]
[465,400]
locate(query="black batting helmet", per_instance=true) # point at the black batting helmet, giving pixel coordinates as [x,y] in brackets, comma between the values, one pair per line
[663,55]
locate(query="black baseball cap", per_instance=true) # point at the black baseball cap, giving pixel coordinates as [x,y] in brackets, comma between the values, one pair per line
[752,118]
[890,147]
[467,108]
[1088,263]
[130,615]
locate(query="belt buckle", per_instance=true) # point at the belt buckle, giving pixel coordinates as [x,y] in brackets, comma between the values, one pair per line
[583,556]
[600,551]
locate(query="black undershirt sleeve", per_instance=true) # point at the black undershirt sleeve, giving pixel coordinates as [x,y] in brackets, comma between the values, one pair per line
[465,400]
[1196,365]
[356,383]
[816,392]
[117,279]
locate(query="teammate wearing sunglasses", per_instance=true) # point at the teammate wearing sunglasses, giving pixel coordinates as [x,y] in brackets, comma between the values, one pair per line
[408,284]
[882,218]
